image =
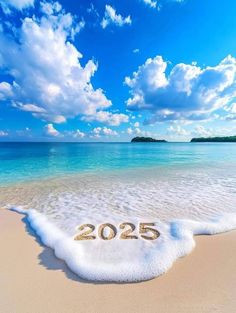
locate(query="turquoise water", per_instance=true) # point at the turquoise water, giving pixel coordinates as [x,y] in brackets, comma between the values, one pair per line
[25,161]
[183,189]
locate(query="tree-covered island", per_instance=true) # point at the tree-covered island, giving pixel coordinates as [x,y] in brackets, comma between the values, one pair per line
[146,139]
[215,139]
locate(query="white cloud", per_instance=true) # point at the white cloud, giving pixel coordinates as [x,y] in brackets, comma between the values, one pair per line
[129,131]
[230,108]
[201,131]
[5,90]
[112,119]
[53,9]
[136,50]
[77,29]
[137,132]
[136,124]
[188,92]
[157,4]
[103,131]
[78,134]
[57,119]
[229,117]
[151,3]
[49,130]
[46,70]
[28,107]
[111,17]
[92,10]
[3,133]
[7,5]
[26,132]
[50,8]
[198,131]
[150,75]
[39,112]
[109,132]
[177,130]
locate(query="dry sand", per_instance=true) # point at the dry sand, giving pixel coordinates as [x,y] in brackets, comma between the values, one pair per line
[32,280]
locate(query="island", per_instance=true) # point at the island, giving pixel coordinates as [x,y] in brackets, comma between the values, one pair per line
[146,139]
[215,139]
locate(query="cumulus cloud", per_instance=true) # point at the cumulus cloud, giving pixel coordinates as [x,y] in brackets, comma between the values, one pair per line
[45,68]
[136,131]
[50,8]
[8,5]
[177,130]
[111,17]
[187,92]
[95,133]
[49,130]
[78,134]
[102,131]
[112,119]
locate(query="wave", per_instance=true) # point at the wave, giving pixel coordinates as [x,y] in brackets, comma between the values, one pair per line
[126,260]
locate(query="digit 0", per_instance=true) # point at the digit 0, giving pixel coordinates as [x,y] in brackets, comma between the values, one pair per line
[112,231]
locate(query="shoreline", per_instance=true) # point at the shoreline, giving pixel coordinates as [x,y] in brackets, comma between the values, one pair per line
[34,280]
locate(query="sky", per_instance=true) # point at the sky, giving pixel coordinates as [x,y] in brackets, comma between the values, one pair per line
[111,70]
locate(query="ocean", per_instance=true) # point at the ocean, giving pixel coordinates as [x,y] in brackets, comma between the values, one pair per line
[178,189]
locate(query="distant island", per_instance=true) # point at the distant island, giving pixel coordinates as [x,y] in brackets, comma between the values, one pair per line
[146,139]
[215,139]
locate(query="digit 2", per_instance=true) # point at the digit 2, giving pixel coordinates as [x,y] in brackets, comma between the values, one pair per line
[127,233]
[85,235]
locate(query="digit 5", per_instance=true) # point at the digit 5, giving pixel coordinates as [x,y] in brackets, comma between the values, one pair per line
[145,228]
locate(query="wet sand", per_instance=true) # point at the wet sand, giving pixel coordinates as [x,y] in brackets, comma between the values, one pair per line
[33,280]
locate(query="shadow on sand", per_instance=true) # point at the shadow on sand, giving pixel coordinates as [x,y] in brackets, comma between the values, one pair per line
[49,261]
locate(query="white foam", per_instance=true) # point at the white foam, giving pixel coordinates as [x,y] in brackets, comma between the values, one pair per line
[182,203]
[125,260]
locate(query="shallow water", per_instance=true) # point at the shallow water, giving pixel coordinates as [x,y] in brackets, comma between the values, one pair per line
[185,189]
[30,161]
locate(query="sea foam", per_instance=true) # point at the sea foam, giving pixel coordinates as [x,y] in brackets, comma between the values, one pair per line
[181,202]
[125,260]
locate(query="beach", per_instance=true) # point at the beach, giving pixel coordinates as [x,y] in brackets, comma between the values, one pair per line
[34,280]
[117,156]
[182,191]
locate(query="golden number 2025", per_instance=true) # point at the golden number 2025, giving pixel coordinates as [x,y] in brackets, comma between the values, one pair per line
[108,231]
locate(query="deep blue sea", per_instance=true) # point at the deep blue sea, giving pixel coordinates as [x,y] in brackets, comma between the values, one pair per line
[25,161]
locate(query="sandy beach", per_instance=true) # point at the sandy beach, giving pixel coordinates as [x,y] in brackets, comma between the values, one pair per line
[33,280]
[117,156]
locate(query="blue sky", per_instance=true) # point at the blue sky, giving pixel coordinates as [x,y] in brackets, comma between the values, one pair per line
[111,70]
